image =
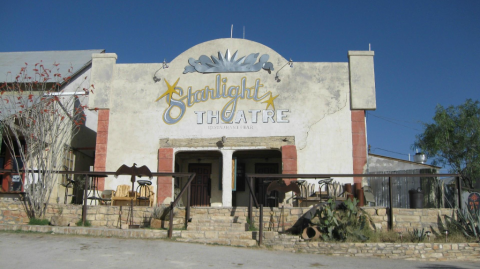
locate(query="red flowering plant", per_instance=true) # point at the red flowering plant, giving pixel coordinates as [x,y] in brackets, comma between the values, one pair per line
[40,112]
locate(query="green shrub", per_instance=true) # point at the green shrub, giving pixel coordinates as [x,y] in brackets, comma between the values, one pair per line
[35,221]
[87,223]
[251,226]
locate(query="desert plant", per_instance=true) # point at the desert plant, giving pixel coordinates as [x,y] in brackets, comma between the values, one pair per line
[467,221]
[160,211]
[417,235]
[343,222]
[327,219]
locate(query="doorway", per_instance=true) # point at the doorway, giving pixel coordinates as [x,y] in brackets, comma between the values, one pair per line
[201,185]
[261,184]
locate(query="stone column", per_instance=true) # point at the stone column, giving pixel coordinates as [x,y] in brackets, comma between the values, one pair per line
[227,178]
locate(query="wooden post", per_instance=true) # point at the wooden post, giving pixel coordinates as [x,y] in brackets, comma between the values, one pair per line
[250,199]
[85,194]
[189,193]
[170,225]
[260,226]
[459,190]
[390,212]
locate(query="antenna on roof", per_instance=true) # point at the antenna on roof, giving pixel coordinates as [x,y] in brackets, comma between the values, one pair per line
[243,32]
[231,31]
[369,47]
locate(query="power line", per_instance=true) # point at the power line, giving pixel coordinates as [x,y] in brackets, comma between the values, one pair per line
[391,121]
[392,151]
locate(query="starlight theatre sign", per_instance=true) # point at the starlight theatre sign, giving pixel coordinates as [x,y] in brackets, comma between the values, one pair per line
[220,90]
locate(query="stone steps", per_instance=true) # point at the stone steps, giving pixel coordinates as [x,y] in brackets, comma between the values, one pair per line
[222,241]
[209,222]
[216,227]
[234,238]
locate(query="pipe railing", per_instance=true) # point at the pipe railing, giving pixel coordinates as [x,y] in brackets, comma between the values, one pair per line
[249,178]
[89,174]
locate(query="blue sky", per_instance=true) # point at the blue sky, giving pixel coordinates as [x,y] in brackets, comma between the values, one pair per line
[426,52]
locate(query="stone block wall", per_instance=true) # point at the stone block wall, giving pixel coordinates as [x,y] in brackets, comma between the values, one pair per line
[12,212]
[405,219]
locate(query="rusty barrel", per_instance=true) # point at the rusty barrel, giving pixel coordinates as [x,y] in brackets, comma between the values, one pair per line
[359,194]
[348,188]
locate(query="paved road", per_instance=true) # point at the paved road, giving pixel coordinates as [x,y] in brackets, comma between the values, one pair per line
[27,250]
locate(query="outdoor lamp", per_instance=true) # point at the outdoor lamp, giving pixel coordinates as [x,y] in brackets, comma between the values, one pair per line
[164,66]
[289,63]
[428,233]
[446,235]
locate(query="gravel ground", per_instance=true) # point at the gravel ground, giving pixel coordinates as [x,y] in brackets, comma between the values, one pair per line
[34,250]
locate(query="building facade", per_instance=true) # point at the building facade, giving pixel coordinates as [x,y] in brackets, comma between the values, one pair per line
[228,107]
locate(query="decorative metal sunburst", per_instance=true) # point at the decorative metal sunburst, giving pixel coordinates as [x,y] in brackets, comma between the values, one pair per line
[228,63]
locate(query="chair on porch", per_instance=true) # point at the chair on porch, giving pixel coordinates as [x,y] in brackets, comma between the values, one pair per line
[146,193]
[123,193]
[368,194]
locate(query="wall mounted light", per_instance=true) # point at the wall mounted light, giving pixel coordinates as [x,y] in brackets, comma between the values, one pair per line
[289,63]
[164,66]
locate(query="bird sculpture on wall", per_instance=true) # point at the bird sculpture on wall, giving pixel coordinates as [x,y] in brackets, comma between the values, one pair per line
[133,172]
[281,186]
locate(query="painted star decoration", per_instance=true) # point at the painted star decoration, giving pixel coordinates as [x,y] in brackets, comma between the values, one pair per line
[170,91]
[269,102]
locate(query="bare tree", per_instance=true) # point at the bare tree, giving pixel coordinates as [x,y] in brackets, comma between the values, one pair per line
[39,121]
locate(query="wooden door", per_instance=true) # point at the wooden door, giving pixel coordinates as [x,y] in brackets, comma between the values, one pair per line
[201,183]
[261,185]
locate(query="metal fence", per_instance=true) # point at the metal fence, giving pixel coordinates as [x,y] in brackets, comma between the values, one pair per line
[437,192]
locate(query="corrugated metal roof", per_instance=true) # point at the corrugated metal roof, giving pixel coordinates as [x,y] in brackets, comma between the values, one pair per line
[14,61]
[405,161]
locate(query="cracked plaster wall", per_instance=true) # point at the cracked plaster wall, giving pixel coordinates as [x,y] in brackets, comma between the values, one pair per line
[317,96]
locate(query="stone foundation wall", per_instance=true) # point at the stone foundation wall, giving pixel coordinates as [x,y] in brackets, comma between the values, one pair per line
[277,219]
[407,219]
[406,251]
[12,211]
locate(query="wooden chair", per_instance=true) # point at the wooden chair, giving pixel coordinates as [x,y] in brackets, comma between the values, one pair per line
[123,193]
[146,193]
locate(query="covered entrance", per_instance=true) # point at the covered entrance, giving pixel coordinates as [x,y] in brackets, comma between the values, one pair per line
[259,162]
[201,185]
[206,186]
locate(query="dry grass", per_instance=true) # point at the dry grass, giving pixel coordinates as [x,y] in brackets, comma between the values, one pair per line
[394,237]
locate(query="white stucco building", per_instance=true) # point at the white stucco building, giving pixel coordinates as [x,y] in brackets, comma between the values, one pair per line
[228,107]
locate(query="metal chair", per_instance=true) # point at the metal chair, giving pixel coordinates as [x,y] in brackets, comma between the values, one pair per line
[368,194]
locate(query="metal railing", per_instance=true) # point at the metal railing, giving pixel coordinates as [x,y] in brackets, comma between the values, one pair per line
[250,178]
[89,174]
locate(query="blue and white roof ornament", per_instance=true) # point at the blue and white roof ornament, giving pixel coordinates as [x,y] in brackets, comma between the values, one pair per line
[228,64]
